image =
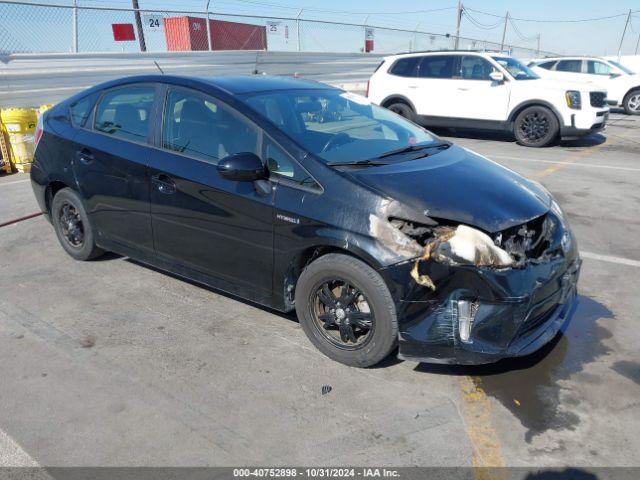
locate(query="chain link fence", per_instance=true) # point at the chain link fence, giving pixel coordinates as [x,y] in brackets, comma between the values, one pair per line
[29,27]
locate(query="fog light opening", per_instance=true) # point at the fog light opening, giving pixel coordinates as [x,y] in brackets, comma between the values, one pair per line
[466,311]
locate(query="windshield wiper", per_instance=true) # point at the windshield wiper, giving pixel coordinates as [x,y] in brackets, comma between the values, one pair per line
[357,163]
[415,148]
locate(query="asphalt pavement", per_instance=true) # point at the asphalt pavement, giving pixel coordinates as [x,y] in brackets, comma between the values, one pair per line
[112,363]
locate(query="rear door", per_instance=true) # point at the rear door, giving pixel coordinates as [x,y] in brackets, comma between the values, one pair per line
[217,228]
[110,166]
[434,86]
[476,95]
[401,79]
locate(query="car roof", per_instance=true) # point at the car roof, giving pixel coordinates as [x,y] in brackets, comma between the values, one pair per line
[569,57]
[241,84]
[231,85]
[484,53]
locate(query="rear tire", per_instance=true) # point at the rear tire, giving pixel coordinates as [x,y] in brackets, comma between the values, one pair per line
[366,311]
[403,110]
[536,127]
[72,227]
[631,102]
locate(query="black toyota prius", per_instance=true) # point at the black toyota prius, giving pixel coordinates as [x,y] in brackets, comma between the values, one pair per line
[296,195]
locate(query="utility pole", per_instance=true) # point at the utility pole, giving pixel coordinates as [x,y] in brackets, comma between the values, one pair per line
[504,31]
[458,21]
[538,54]
[637,44]
[623,34]
[208,26]
[136,8]
[413,41]
[298,27]
[74,47]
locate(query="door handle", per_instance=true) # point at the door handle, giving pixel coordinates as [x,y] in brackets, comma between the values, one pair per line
[164,183]
[85,156]
[413,86]
[464,89]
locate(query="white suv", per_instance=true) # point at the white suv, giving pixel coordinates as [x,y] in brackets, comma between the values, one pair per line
[486,90]
[622,85]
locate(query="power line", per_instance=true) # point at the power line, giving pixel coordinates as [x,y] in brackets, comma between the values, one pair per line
[352,12]
[515,29]
[538,20]
[479,24]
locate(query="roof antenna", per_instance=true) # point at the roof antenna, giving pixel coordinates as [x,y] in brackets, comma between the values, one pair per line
[161,71]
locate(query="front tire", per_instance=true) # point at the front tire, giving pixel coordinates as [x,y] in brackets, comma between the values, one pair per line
[346,310]
[536,127]
[72,227]
[631,102]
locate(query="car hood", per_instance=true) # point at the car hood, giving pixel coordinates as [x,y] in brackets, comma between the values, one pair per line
[461,186]
[565,83]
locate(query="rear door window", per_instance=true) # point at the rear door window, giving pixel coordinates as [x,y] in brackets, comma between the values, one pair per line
[569,66]
[437,66]
[405,67]
[125,112]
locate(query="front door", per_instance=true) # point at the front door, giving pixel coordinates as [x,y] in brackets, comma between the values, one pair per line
[217,228]
[476,95]
[110,165]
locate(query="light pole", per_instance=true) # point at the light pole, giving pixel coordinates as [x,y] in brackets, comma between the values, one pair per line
[208,26]
[74,45]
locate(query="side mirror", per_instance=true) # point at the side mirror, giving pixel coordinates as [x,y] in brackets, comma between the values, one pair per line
[242,167]
[614,75]
[497,76]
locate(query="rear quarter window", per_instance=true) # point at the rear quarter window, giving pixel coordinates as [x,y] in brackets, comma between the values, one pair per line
[546,65]
[81,110]
[405,67]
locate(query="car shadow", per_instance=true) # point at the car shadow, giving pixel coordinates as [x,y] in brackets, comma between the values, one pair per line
[500,136]
[291,316]
[530,387]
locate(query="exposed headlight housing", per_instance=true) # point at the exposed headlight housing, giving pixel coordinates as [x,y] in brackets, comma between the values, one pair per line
[468,246]
[574,99]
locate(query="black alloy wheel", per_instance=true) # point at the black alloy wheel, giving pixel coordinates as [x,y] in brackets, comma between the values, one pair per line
[342,314]
[71,225]
[536,127]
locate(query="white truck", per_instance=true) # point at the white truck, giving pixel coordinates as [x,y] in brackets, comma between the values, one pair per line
[469,89]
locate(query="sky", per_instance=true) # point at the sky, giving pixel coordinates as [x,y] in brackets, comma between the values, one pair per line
[483,20]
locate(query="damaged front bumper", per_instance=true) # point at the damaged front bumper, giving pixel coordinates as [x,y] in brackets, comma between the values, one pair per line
[479,315]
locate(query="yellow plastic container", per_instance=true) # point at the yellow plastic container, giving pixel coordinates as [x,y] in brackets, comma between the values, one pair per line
[44,108]
[20,126]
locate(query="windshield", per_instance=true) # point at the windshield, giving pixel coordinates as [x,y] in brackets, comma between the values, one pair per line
[338,126]
[518,70]
[622,67]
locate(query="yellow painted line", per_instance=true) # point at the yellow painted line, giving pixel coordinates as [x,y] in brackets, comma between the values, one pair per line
[572,159]
[488,461]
